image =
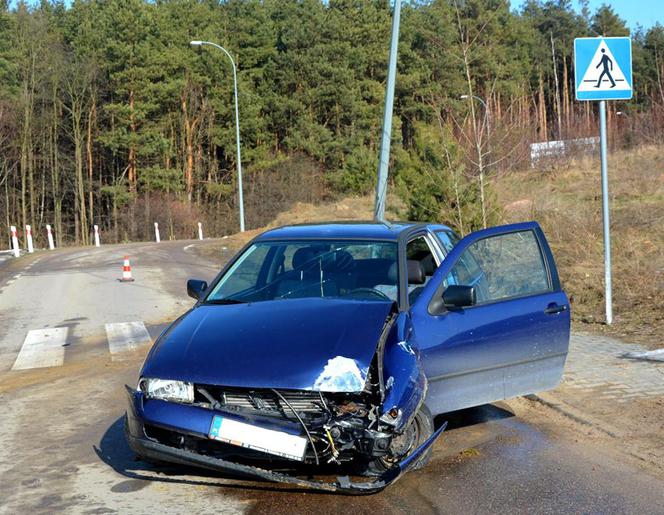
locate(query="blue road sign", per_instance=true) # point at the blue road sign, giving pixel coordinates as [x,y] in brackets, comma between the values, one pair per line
[603,68]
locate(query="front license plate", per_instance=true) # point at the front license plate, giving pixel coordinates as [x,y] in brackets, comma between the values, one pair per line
[258,438]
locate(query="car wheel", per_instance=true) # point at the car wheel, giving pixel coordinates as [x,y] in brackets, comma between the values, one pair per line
[415,434]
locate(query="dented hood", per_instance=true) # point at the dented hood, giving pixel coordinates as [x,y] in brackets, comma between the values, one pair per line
[305,344]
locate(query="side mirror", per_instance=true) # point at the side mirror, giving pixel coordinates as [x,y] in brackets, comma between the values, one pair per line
[196,288]
[459,296]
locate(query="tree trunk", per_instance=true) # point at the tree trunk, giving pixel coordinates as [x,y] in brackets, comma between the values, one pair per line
[465,47]
[543,129]
[88,149]
[55,164]
[189,125]
[566,99]
[131,172]
[80,180]
[557,98]
[26,144]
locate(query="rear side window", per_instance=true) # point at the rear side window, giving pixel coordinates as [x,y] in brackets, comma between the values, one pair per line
[447,239]
[501,267]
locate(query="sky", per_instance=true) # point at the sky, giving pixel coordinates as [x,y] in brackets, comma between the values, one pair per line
[643,12]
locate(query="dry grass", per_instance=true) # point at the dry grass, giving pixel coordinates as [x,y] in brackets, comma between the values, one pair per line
[567,203]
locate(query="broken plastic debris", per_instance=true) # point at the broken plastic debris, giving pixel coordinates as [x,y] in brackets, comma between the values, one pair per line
[340,375]
[652,355]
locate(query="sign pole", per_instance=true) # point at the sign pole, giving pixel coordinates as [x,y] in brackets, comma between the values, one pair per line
[603,71]
[605,212]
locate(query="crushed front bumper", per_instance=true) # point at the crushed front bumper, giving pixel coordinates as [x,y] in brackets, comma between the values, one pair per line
[148,448]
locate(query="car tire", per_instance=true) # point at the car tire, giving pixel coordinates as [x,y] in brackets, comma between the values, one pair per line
[418,431]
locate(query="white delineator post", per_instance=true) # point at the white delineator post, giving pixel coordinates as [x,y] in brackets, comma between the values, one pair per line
[49,234]
[200,231]
[28,237]
[156,232]
[15,241]
[97,244]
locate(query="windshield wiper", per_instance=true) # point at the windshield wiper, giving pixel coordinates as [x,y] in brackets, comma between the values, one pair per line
[224,301]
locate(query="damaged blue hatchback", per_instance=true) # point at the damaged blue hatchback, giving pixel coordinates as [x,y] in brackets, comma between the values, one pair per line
[338,343]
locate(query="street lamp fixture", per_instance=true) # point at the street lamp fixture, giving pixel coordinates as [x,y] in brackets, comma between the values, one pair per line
[486,111]
[197,43]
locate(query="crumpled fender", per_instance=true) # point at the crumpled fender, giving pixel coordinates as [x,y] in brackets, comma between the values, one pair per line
[403,375]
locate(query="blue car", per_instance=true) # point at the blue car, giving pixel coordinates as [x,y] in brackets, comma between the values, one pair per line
[335,345]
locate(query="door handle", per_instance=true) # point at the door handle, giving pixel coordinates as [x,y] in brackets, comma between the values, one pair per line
[552,309]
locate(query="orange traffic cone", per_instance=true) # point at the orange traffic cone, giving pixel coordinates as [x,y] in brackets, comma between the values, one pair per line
[126,271]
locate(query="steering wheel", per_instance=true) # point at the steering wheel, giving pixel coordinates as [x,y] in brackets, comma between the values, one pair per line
[371,291]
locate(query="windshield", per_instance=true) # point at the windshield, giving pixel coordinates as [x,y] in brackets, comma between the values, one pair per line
[365,270]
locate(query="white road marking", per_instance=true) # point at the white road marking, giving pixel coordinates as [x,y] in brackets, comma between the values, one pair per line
[42,348]
[188,247]
[126,336]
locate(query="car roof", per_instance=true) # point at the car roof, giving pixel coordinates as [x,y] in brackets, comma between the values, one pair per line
[346,230]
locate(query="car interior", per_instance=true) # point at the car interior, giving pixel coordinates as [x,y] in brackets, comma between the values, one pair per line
[319,271]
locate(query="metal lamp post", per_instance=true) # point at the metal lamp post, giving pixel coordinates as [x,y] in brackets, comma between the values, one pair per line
[237,127]
[384,160]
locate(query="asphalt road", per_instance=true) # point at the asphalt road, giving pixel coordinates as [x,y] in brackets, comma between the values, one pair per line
[62,447]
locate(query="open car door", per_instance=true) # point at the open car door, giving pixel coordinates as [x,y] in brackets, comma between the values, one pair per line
[493,322]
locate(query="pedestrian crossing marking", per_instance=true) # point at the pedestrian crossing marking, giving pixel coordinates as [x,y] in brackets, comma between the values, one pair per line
[126,336]
[603,68]
[42,348]
[604,72]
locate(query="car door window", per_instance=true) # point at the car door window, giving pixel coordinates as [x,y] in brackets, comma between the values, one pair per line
[500,267]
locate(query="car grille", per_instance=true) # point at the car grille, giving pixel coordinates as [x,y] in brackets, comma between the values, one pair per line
[264,401]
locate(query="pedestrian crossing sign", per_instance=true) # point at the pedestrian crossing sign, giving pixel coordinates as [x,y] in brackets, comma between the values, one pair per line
[603,68]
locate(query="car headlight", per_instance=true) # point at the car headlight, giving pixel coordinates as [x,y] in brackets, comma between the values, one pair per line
[167,389]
